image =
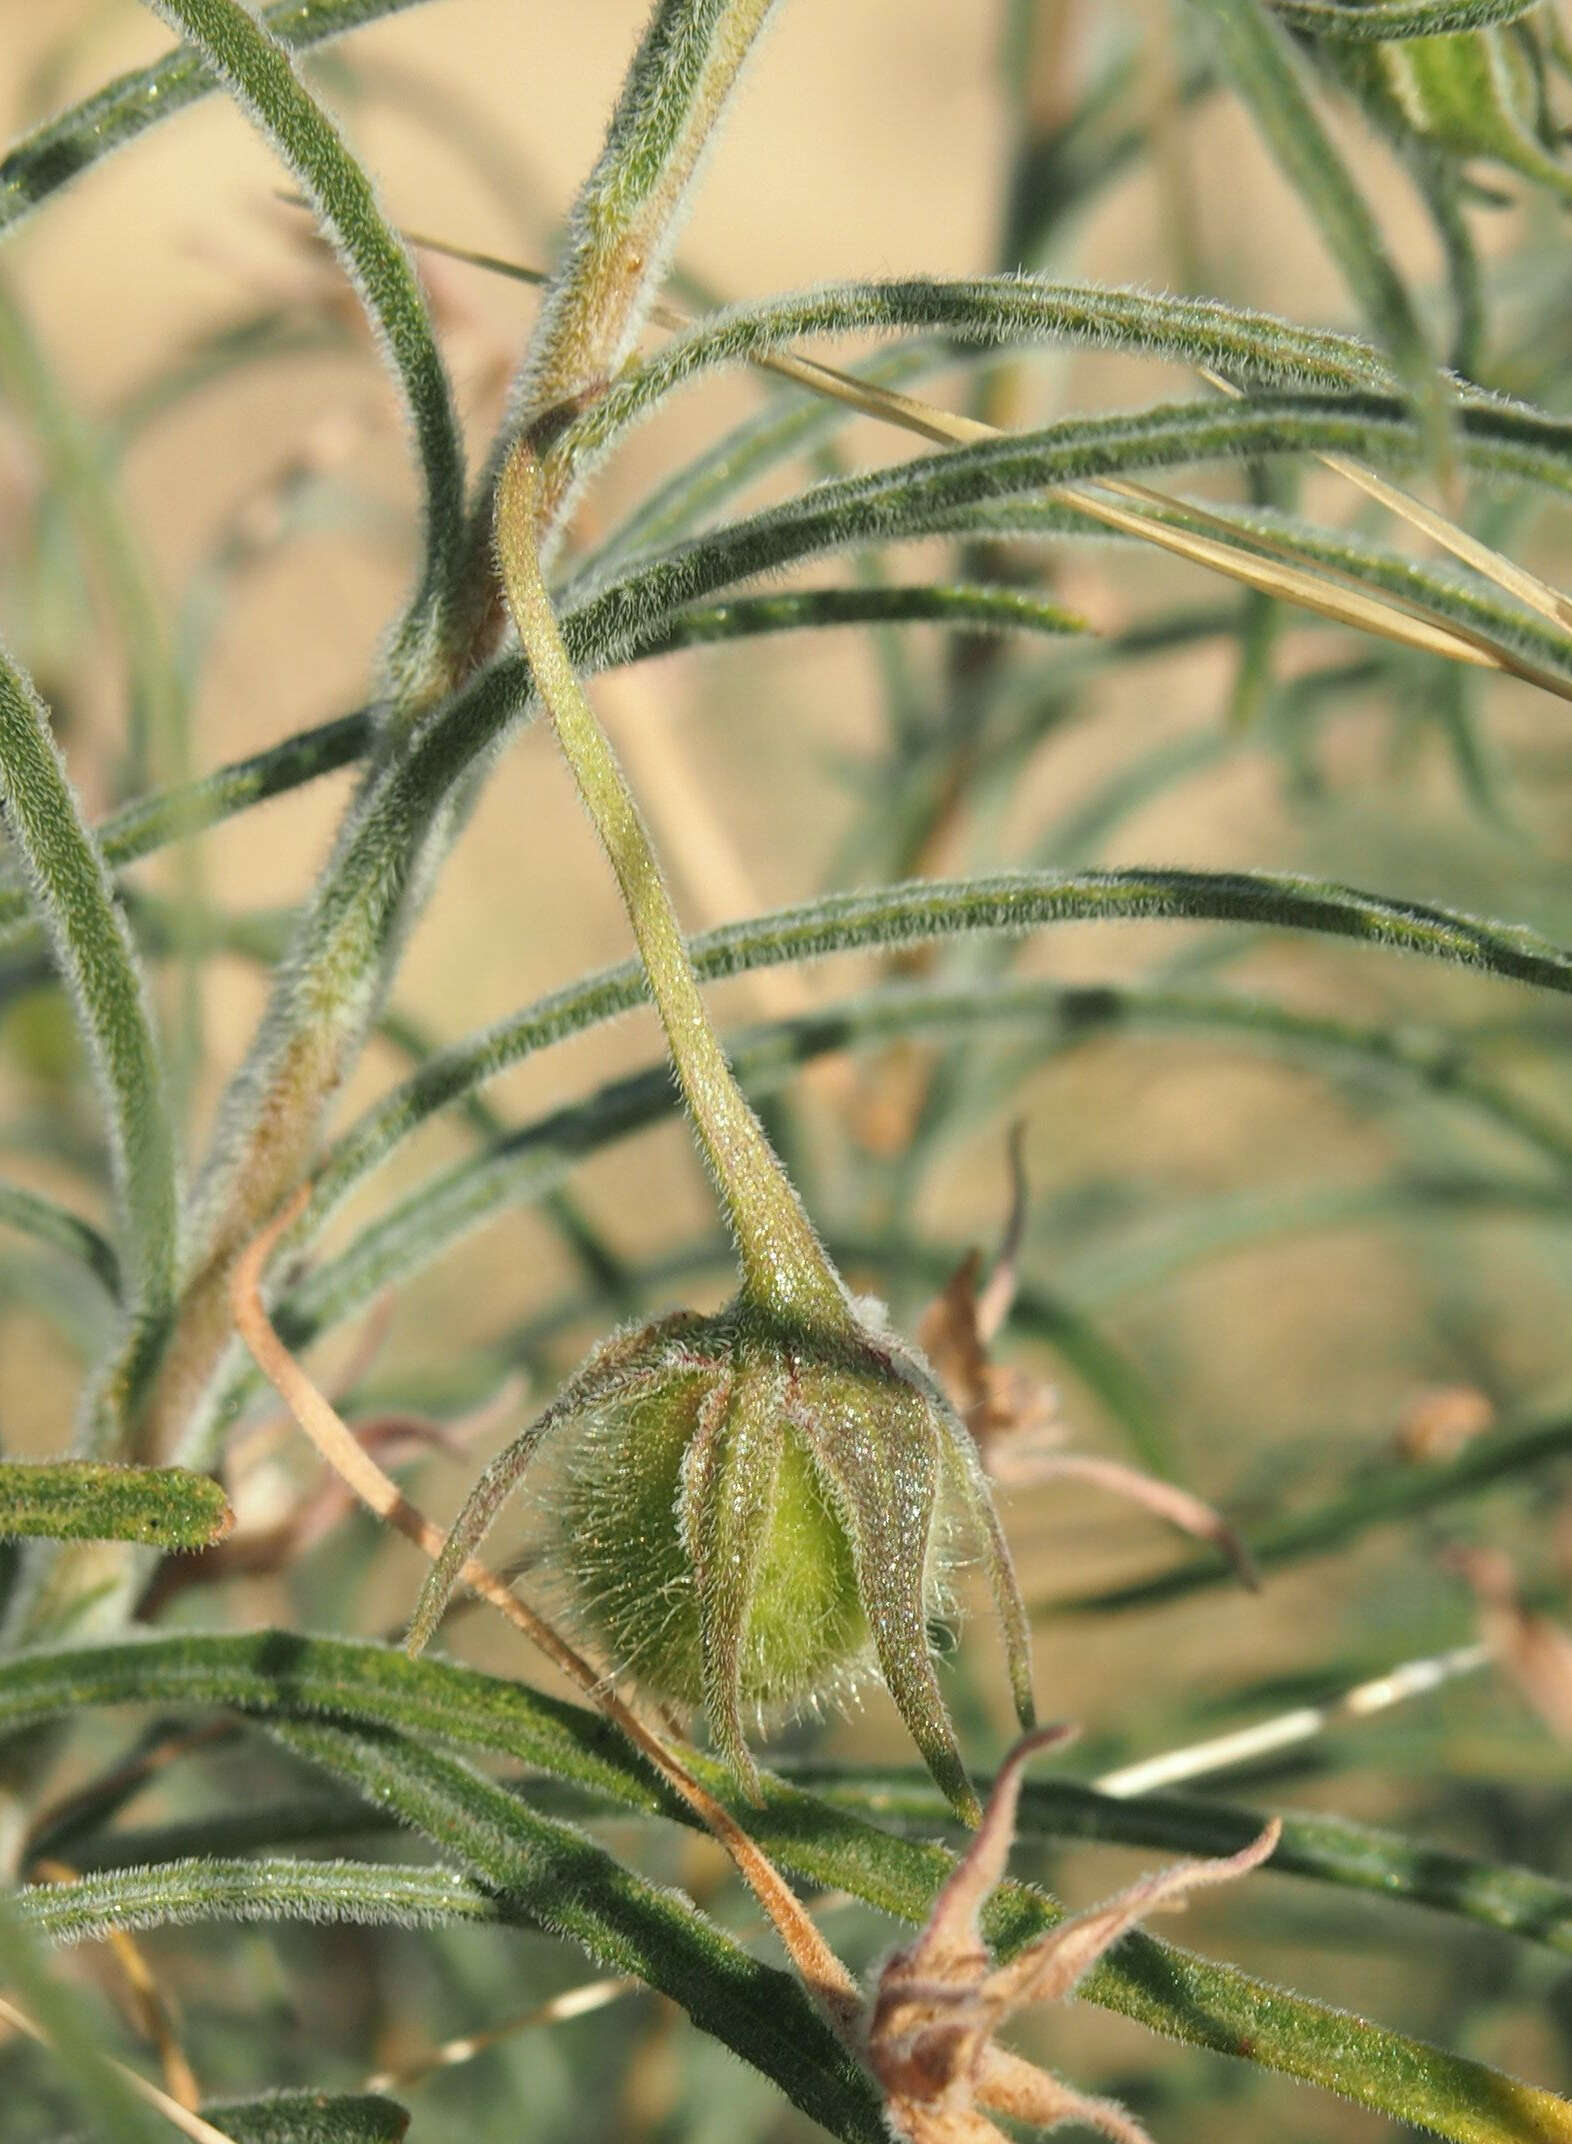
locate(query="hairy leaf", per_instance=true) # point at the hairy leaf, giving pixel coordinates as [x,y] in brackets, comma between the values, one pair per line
[257,68]
[1378,20]
[87,1500]
[279,1674]
[92,947]
[310,2118]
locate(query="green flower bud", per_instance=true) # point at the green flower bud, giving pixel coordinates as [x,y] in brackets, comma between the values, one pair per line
[748,1515]
[753,1503]
[1479,93]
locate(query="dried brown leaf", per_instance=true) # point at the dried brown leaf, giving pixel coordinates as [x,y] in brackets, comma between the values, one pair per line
[940,2000]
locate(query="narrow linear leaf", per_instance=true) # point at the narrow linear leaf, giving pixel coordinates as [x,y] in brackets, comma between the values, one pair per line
[279,1674]
[1323,1849]
[681,78]
[575,1889]
[257,68]
[1491,564]
[328,987]
[62,1230]
[147,823]
[958,491]
[143,826]
[528,1162]
[1462,603]
[139,828]
[901,915]
[58,151]
[977,609]
[788,428]
[986,313]
[310,2118]
[88,1500]
[92,947]
[270,1887]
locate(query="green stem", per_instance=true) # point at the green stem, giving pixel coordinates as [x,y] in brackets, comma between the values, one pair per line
[785,1268]
[626,218]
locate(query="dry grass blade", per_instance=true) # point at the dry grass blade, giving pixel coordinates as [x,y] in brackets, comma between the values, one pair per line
[1247,1745]
[188,2123]
[822,1972]
[1485,560]
[572,2002]
[153,2011]
[1220,552]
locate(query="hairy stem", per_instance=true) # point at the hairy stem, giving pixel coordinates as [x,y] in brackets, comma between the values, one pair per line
[784,1266]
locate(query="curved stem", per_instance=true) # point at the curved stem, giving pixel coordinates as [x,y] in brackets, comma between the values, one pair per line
[785,1267]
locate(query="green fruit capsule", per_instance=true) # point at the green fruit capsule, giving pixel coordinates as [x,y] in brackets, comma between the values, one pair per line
[624,1547]
[749,1514]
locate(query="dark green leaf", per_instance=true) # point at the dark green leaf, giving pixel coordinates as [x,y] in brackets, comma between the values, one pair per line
[87,1500]
[310,2118]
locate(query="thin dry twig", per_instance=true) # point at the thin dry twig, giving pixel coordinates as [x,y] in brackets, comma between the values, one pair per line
[189,2124]
[1199,1760]
[151,2009]
[1485,560]
[571,2003]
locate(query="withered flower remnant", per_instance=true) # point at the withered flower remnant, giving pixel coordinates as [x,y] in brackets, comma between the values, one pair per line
[940,1999]
[1013,1418]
